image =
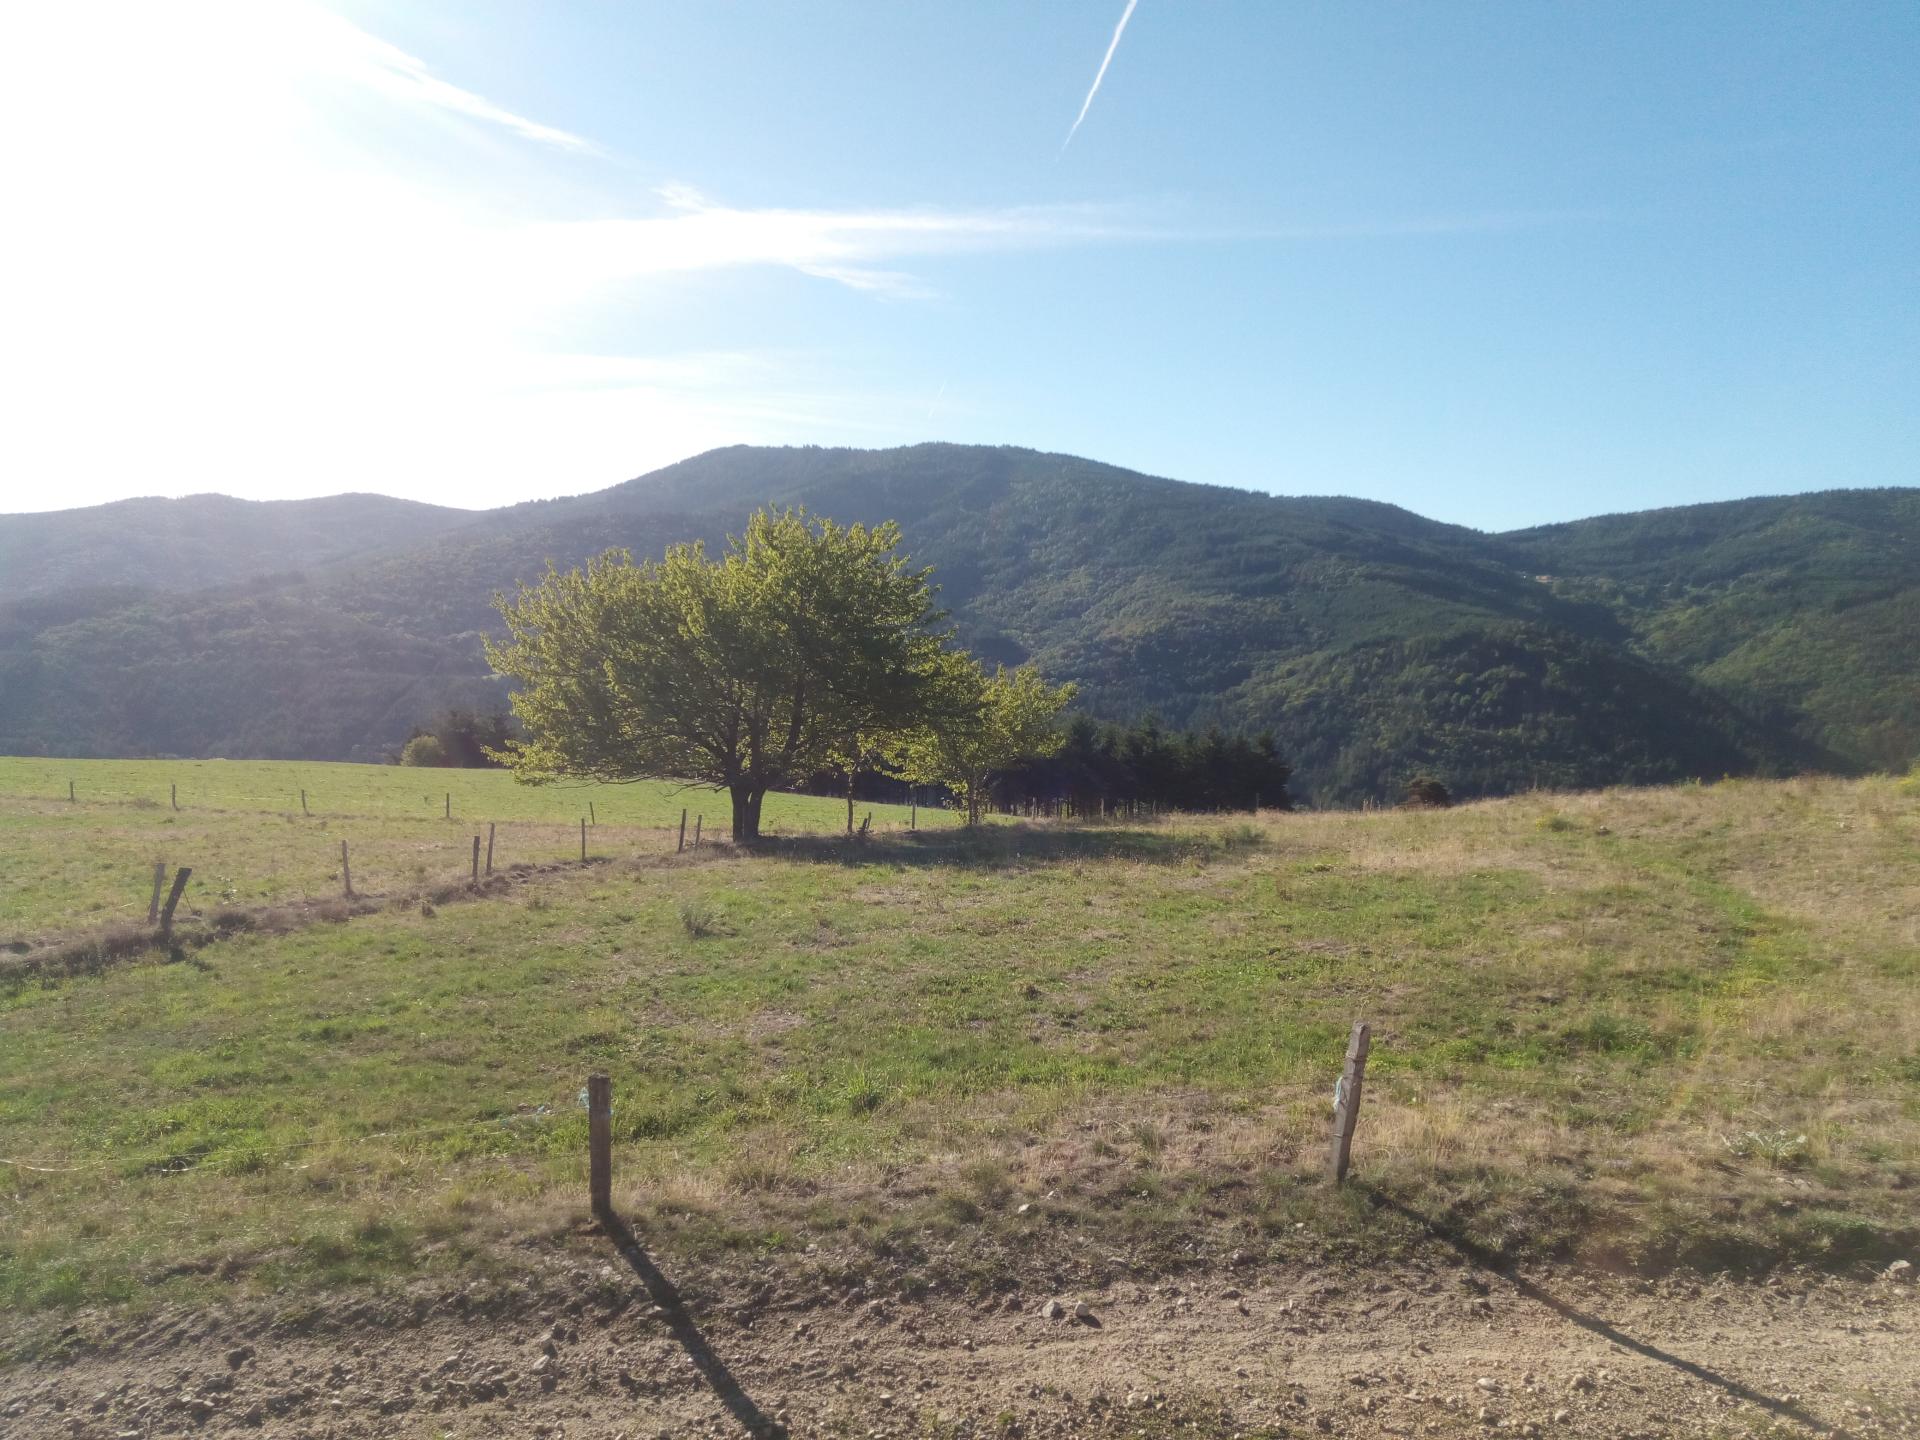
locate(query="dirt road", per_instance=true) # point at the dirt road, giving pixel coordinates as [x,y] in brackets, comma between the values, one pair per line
[609,1349]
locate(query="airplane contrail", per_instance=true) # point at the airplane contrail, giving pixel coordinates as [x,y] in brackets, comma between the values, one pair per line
[1106,60]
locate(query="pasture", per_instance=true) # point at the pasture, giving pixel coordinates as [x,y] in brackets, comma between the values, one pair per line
[1637,1028]
[66,864]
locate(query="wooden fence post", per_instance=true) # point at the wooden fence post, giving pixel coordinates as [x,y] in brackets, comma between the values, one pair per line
[592,819]
[1346,1101]
[683,831]
[698,821]
[913,812]
[70,792]
[159,879]
[173,899]
[476,860]
[346,870]
[303,804]
[449,810]
[174,795]
[489,847]
[583,839]
[600,1143]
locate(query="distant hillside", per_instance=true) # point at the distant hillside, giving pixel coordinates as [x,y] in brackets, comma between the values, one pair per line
[202,540]
[1752,637]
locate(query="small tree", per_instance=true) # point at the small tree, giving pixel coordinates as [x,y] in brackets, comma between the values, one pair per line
[1427,792]
[740,673]
[423,750]
[983,724]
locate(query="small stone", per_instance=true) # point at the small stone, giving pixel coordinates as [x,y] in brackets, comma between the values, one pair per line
[1562,1415]
[1083,1312]
[1024,1209]
[1487,1384]
[1582,1381]
[1899,1272]
[239,1356]
[544,1365]
[1052,1310]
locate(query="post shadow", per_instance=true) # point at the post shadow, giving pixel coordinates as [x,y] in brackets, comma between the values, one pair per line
[714,1370]
[1480,1256]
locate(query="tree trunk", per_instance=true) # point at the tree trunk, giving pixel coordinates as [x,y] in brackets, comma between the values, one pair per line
[746,812]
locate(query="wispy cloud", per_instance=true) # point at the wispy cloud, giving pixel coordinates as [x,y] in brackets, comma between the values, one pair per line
[854,248]
[353,53]
[1101,74]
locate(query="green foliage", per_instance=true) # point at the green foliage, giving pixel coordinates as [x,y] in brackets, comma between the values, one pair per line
[466,739]
[744,673]
[423,750]
[980,726]
[1102,767]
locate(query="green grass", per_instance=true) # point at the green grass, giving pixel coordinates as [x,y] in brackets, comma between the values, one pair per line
[882,1050]
[68,866]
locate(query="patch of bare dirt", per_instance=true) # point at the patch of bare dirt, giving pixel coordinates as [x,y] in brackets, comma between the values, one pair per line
[610,1348]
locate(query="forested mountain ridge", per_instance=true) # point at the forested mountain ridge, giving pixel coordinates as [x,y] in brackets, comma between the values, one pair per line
[1750,636]
[203,540]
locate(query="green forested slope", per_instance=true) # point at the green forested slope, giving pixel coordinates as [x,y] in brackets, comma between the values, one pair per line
[1752,637]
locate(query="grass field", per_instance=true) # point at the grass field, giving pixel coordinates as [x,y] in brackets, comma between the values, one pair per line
[240,827]
[1639,1027]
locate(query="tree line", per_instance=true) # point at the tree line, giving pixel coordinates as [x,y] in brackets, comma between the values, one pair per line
[1105,769]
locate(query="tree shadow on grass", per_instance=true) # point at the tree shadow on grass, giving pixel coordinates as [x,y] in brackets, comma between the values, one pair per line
[1002,847]
[1492,1261]
[740,1405]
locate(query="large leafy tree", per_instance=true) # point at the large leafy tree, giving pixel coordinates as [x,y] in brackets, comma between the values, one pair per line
[979,725]
[745,673]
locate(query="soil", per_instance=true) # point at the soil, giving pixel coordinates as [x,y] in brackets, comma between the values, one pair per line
[599,1345]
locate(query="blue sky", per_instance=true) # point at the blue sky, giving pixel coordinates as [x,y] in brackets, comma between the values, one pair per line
[1498,263]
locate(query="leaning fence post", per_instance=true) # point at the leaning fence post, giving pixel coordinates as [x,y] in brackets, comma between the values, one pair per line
[1346,1101]
[173,899]
[303,804]
[346,871]
[476,859]
[592,819]
[683,831]
[600,1143]
[489,847]
[698,820]
[159,879]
